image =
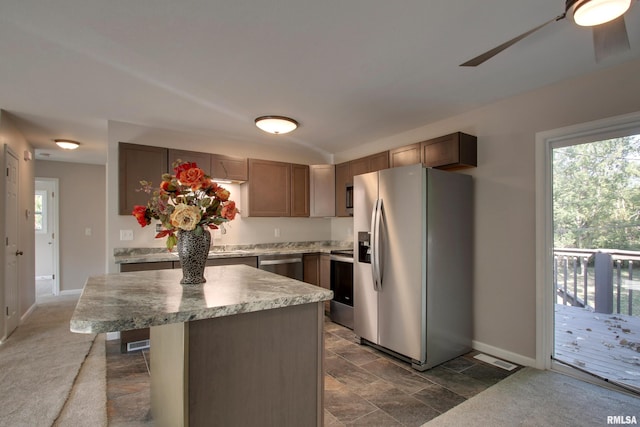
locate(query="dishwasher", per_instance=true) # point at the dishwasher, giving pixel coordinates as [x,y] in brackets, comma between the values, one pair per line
[289,265]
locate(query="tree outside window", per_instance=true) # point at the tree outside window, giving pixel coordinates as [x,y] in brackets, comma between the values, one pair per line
[39,211]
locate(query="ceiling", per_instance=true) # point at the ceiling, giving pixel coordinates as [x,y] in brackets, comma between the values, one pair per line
[350,71]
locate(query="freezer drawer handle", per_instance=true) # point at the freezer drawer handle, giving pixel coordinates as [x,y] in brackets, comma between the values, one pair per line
[280,261]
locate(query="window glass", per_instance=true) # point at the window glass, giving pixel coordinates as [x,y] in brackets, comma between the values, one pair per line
[39,211]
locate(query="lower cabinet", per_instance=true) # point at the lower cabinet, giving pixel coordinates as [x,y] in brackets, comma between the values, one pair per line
[317,271]
[137,335]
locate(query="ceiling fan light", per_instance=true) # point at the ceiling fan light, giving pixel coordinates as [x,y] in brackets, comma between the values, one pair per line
[277,125]
[67,144]
[589,13]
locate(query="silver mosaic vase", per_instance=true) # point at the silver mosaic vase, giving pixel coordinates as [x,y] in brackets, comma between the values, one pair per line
[193,251]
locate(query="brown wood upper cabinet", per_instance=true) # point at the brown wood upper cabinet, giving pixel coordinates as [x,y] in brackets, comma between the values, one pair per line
[138,163]
[455,151]
[203,160]
[343,179]
[271,191]
[229,167]
[216,166]
[346,171]
[299,190]
[403,156]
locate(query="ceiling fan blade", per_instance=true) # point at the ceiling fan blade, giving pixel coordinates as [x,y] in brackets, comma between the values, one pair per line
[496,50]
[610,38]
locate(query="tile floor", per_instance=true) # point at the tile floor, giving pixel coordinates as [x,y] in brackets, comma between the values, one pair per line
[363,386]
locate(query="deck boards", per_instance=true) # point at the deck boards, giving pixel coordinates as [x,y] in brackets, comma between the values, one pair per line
[607,345]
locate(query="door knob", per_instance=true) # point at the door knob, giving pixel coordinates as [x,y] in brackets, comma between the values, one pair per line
[19,253]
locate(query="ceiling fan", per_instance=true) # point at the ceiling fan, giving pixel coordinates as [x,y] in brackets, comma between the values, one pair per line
[606,17]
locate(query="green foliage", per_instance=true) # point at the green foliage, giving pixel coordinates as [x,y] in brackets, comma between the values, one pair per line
[596,194]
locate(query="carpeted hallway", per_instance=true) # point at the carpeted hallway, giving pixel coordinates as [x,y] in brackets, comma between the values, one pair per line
[50,376]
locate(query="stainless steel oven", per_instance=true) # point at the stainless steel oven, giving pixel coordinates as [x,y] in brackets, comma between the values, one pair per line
[341,306]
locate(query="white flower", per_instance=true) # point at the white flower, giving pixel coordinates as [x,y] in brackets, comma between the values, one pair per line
[185,217]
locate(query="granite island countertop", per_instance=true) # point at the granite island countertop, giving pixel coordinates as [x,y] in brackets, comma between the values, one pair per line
[138,255]
[125,301]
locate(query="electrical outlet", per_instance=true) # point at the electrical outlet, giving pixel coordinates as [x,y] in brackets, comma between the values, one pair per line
[126,234]
[276,232]
[87,231]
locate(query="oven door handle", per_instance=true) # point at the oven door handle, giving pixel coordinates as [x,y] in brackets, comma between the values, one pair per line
[340,258]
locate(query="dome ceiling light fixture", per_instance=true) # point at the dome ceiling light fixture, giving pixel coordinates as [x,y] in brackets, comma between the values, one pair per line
[67,144]
[589,13]
[277,125]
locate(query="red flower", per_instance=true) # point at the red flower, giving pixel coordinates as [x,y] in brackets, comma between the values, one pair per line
[229,210]
[222,194]
[140,212]
[184,166]
[193,177]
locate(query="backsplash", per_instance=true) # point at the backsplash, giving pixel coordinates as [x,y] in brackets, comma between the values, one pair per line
[230,248]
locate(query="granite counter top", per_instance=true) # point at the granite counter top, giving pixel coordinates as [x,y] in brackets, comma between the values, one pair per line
[136,255]
[124,301]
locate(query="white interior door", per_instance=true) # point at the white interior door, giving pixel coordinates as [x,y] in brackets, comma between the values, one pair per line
[44,228]
[46,235]
[12,252]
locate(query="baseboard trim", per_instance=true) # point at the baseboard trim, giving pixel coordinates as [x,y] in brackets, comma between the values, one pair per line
[26,315]
[71,292]
[503,354]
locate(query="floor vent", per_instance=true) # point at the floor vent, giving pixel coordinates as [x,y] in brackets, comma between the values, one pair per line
[138,345]
[496,362]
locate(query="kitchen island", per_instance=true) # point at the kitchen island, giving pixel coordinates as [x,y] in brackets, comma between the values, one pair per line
[245,348]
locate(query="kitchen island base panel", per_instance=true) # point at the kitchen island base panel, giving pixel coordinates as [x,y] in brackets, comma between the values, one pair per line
[259,368]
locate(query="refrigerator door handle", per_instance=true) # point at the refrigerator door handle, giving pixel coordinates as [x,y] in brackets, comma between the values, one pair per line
[378,244]
[374,269]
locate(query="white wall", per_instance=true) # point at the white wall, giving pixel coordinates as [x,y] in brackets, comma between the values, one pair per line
[504,291]
[82,207]
[239,231]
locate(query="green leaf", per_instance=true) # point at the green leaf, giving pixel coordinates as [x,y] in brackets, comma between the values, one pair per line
[171,241]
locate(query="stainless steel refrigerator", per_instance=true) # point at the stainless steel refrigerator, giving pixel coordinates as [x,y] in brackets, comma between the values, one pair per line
[413,263]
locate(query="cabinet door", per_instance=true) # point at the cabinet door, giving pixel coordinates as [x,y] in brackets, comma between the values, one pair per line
[403,156]
[455,151]
[322,188]
[343,178]
[203,160]
[268,189]
[299,190]
[146,266]
[325,271]
[138,163]
[311,269]
[251,261]
[228,167]
[378,161]
[325,277]
[360,166]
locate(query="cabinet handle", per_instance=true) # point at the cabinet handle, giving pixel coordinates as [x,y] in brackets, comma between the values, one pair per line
[19,253]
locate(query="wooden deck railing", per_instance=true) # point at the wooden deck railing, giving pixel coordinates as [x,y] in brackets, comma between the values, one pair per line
[602,279]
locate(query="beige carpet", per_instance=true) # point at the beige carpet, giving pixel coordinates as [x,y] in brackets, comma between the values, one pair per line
[39,364]
[532,397]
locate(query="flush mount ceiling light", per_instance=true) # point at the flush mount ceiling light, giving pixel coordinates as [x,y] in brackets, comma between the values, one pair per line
[276,124]
[589,13]
[67,144]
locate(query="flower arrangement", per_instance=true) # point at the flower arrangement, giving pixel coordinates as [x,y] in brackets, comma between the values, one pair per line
[187,200]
